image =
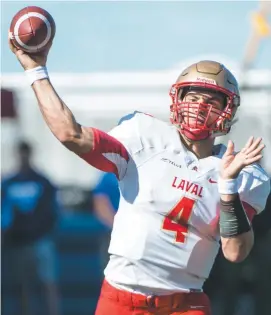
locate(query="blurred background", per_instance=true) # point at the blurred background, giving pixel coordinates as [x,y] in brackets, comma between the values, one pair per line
[109,59]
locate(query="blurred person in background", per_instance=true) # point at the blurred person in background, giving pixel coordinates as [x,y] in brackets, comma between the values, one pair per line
[180,194]
[106,197]
[29,215]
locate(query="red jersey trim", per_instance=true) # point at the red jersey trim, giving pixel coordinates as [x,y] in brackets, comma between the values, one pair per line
[250,211]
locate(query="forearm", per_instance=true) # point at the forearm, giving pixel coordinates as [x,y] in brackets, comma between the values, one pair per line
[237,236]
[236,249]
[59,118]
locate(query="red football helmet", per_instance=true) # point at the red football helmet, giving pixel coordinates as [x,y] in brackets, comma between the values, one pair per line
[192,118]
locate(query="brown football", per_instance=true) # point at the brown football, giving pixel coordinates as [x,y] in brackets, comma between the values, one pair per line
[31,29]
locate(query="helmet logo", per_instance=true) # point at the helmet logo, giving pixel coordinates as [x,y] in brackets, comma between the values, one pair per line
[206,80]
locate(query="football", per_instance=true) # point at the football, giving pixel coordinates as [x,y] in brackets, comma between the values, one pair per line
[31,29]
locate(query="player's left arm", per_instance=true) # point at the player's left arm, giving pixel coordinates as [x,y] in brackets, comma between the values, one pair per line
[237,236]
[244,188]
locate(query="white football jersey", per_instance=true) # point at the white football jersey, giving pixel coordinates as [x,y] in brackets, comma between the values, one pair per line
[166,235]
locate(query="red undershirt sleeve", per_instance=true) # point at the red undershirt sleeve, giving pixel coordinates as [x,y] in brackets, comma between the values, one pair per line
[108,154]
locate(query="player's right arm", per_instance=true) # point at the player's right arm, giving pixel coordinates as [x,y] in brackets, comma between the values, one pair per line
[61,120]
[96,147]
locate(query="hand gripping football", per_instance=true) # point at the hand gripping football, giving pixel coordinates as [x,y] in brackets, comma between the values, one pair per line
[31,29]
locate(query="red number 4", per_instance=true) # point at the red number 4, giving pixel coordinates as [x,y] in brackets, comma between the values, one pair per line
[177,219]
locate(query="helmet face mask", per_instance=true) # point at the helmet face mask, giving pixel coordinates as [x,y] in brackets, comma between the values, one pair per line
[213,98]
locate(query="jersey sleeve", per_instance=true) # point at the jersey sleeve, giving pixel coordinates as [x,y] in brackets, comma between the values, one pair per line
[112,151]
[254,187]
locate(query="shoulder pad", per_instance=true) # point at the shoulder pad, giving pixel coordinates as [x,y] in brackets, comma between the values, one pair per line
[131,116]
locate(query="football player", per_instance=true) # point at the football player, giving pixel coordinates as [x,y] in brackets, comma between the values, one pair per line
[180,194]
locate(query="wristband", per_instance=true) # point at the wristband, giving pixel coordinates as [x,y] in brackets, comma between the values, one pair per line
[37,73]
[227,186]
[233,219]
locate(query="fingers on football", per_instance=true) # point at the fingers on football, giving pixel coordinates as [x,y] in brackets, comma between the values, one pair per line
[45,51]
[13,48]
[11,45]
[48,46]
